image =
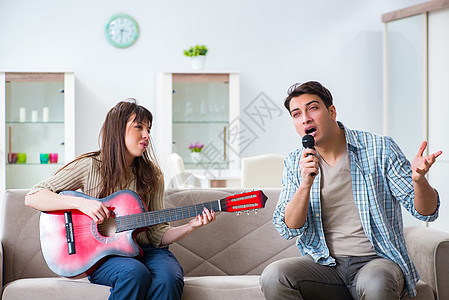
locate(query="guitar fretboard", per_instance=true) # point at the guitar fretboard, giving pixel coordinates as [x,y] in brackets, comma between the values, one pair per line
[146,219]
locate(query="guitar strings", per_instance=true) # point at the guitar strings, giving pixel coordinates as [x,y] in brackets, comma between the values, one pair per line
[153,217]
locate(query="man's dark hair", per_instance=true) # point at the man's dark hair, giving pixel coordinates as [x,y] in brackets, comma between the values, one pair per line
[310,88]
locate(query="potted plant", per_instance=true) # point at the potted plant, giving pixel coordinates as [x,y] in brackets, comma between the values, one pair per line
[195,149]
[197,55]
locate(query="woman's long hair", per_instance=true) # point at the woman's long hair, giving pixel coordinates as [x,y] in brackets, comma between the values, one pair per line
[114,171]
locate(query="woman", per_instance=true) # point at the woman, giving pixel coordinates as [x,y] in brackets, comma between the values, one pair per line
[125,161]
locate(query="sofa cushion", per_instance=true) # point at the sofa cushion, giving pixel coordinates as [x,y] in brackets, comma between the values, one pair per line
[54,288]
[222,287]
[22,257]
[232,245]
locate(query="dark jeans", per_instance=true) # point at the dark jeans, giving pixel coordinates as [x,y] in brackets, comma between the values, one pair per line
[157,275]
[366,277]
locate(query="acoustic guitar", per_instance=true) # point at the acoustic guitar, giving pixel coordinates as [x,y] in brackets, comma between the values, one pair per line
[72,244]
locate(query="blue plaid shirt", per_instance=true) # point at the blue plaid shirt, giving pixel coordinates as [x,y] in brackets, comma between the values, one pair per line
[381,180]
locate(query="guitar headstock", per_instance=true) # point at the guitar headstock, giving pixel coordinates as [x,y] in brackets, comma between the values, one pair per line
[244,201]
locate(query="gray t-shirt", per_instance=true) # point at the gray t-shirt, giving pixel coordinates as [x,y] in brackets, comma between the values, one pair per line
[341,221]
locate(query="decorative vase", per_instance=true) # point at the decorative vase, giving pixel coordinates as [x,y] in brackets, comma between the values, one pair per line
[196,157]
[198,62]
[21,158]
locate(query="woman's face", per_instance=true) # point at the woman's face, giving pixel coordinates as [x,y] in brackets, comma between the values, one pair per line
[137,137]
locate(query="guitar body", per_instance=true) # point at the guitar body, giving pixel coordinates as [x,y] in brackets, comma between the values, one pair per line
[93,242]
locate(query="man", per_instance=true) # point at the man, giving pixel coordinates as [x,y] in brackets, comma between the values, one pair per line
[342,202]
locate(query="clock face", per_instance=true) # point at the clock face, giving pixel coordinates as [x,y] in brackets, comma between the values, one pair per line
[122,31]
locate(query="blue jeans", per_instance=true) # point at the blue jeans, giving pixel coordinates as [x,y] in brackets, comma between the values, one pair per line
[156,275]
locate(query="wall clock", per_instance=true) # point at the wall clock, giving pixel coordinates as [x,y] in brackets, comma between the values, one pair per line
[122,31]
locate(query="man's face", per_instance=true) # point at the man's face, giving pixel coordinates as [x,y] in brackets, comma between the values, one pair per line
[310,116]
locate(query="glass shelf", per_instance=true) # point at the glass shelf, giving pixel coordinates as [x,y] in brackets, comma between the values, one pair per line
[38,122]
[200,122]
[34,164]
[207,165]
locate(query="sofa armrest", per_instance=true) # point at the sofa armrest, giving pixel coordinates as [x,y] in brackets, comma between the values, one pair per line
[429,250]
[1,269]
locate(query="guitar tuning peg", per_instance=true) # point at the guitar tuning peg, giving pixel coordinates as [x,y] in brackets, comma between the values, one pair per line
[256,211]
[247,212]
[238,213]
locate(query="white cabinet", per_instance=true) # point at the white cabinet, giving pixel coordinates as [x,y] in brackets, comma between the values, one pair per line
[439,82]
[438,106]
[37,126]
[416,89]
[198,107]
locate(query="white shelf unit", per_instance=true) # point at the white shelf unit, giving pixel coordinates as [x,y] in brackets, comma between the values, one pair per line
[33,91]
[199,106]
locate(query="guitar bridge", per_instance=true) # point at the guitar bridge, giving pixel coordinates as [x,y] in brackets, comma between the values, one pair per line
[69,232]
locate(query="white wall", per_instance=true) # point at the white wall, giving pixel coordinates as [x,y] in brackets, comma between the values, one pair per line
[272,43]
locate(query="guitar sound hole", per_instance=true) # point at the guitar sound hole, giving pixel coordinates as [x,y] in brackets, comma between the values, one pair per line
[107,228]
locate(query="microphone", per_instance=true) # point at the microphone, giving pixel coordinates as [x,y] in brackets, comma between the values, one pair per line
[308,142]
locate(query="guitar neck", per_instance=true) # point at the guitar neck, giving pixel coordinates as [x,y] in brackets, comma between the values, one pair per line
[149,218]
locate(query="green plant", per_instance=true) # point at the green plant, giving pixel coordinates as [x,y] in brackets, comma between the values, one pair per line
[196,51]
